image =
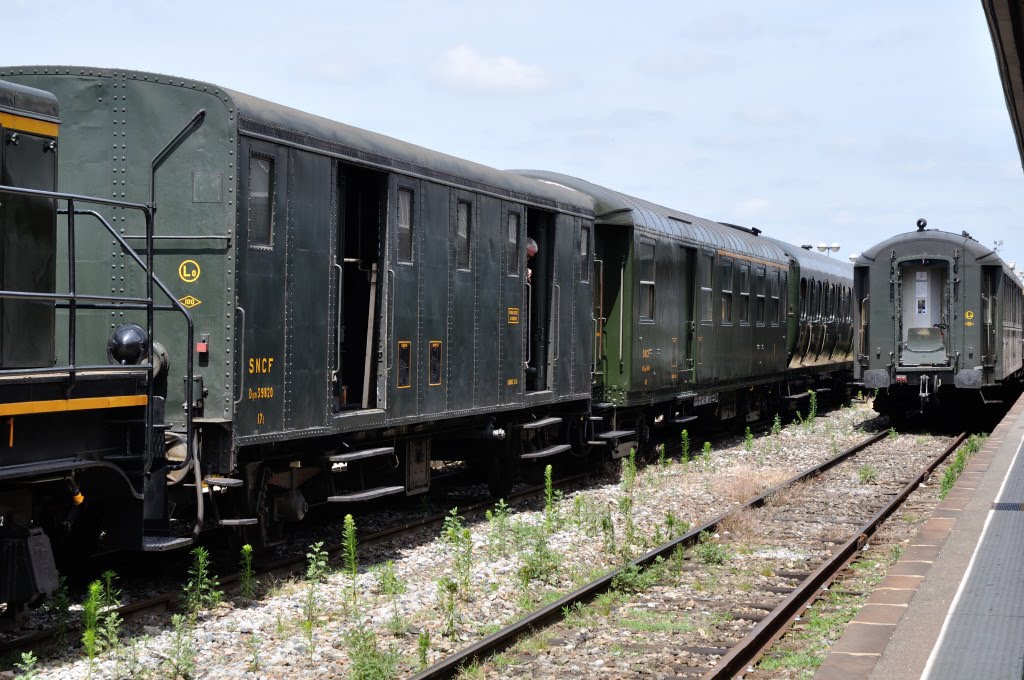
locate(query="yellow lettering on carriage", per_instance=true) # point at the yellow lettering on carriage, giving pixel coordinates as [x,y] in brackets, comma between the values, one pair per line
[261,364]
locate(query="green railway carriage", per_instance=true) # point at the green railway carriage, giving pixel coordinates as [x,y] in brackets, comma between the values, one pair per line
[939,322]
[361,305]
[820,314]
[697,317]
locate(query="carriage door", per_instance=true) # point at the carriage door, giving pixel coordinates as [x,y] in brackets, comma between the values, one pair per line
[923,321]
[543,300]
[361,198]
[404,250]
[683,350]
[262,291]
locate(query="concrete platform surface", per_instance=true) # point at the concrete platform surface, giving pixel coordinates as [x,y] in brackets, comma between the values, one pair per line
[953,606]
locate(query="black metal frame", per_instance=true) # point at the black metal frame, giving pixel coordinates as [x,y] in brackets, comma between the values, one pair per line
[76,301]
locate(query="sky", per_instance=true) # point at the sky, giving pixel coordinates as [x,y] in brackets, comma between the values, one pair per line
[813,121]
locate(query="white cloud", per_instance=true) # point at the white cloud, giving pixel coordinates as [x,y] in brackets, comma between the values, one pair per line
[767,114]
[464,68]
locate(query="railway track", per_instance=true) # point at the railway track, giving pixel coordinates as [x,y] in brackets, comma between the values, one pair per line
[423,559]
[292,565]
[758,622]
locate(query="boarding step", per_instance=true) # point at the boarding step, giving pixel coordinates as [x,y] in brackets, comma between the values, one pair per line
[596,419]
[797,396]
[356,455]
[612,435]
[822,390]
[366,495]
[537,424]
[240,522]
[550,451]
[163,543]
[226,482]
[603,406]
[597,443]
[684,420]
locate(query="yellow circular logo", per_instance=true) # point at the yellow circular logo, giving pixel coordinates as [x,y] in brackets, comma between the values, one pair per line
[968,314]
[188,271]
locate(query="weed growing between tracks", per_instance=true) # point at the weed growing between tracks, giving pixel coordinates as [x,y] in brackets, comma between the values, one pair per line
[804,649]
[557,545]
[956,468]
[202,589]
[247,582]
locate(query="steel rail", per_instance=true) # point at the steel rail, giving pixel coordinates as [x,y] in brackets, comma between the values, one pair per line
[504,638]
[296,564]
[754,644]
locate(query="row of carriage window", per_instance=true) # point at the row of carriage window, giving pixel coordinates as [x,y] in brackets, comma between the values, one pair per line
[740,280]
[735,292]
[261,224]
[819,300]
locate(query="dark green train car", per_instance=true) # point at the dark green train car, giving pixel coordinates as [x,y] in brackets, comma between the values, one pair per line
[820,317]
[361,305]
[939,322]
[698,319]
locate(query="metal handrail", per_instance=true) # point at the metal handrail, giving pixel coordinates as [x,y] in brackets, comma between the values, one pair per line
[92,301]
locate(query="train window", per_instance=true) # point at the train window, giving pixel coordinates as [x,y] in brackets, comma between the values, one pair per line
[513,244]
[759,303]
[803,299]
[819,309]
[261,201]
[745,293]
[707,261]
[435,363]
[774,291]
[404,364]
[584,254]
[646,281]
[463,229]
[726,292]
[405,206]
[783,280]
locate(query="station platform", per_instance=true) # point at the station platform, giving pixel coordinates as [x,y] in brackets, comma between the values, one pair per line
[953,605]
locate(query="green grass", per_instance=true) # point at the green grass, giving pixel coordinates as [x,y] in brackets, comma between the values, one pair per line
[800,659]
[655,622]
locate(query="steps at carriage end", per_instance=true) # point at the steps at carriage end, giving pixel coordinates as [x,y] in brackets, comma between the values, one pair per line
[366,494]
[239,522]
[164,543]
[357,455]
[226,482]
[683,420]
[615,439]
[537,424]
[544,453]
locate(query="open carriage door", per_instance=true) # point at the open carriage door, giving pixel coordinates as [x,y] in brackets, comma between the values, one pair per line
[683,348]
[543,298]
[923,313]
[362,197]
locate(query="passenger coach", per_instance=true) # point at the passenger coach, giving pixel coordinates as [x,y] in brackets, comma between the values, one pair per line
[361,305]
[695,318]
[939,322]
